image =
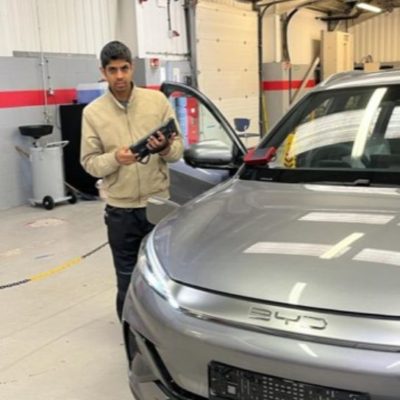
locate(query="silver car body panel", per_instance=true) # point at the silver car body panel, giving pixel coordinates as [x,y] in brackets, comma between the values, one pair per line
[186,345]
[359,79]
[188,182]
[337,329]
[228,227]
[290,280]
[212,177]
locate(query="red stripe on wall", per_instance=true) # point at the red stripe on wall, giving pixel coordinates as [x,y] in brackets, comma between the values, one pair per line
[284,85]
[63,96]
[29,98]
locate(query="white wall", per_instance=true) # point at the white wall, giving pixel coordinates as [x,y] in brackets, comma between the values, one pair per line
[231,3]
[24,75]
[84,26]
[379,37]
[227,59]
[272,40]
[304,37]
[154,37]
[73,26]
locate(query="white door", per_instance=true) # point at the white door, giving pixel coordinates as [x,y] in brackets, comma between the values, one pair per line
[227,62]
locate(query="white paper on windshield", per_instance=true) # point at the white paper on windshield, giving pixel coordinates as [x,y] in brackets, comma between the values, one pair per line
[353,189]
[379,256]
[288,248]
[393,128]
[360,218]
[330,129]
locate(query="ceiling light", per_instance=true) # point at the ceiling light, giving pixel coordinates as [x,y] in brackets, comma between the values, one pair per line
[369,7]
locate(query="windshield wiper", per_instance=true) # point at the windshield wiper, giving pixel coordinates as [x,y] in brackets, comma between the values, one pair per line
[353,178]
[359,182]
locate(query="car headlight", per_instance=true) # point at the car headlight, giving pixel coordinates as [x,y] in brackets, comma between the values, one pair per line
[153,272]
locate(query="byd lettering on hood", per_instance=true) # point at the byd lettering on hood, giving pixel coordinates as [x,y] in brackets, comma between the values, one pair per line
[288,318]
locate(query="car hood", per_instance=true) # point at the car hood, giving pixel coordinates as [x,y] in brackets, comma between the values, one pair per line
[325,247]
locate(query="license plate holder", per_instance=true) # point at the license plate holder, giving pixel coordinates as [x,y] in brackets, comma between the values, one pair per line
[231,383]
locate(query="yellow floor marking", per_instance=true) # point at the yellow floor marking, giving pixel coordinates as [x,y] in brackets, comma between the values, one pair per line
[67,264]
[53,271]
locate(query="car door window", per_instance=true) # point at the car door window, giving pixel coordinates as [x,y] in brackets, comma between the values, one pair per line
[199,119]
[197,123]
[200,122]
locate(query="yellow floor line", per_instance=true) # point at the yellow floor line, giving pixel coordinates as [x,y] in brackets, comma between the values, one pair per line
[62,267]
[53,271]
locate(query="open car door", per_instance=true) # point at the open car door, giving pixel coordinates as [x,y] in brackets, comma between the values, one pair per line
[213,150]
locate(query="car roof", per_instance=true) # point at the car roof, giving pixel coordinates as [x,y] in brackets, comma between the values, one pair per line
[356,79]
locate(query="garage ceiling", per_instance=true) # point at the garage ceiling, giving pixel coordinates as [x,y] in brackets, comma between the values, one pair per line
[346,7]
[340,8]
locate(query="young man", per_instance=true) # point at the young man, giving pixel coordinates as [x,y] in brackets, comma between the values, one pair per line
[110,125]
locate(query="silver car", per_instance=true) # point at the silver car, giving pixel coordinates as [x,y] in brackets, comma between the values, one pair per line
[282,282]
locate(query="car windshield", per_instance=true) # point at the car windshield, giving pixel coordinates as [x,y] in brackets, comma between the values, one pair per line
[353,132]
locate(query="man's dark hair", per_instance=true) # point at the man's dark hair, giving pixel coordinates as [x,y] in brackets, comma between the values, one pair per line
[115,50]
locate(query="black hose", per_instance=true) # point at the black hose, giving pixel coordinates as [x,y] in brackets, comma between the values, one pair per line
[169,15]
[188,7]
[285,49]
[285,44]
[262,9]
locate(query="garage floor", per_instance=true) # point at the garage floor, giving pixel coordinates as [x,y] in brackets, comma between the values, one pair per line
[60,338]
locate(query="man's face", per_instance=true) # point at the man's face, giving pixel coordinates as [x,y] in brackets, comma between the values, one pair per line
[118,74]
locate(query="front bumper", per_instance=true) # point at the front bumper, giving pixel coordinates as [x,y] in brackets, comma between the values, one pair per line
[169,352]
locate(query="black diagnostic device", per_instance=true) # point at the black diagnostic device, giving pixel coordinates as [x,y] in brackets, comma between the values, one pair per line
[167,129]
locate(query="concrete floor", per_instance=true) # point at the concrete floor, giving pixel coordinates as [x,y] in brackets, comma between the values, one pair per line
[60,338]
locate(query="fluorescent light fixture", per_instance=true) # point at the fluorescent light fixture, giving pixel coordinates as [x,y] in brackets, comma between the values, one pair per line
[369,7]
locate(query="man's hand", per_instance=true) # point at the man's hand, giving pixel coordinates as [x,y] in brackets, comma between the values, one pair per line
[125,157]
[159,143]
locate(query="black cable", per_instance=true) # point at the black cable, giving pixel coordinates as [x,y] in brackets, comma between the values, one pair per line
[32,278]
[190,43]
[285,44]
[262,9]
[169,15]
[285,49]
[8,285]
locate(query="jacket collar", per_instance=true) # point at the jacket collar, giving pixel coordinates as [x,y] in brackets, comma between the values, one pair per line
[117,103]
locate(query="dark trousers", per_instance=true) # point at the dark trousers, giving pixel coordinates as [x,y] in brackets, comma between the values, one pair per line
[126,227]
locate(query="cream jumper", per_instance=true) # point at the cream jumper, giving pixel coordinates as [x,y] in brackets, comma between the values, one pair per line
[107,126]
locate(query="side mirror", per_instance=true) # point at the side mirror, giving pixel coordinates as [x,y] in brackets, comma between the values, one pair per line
[158,208]
[212,154]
